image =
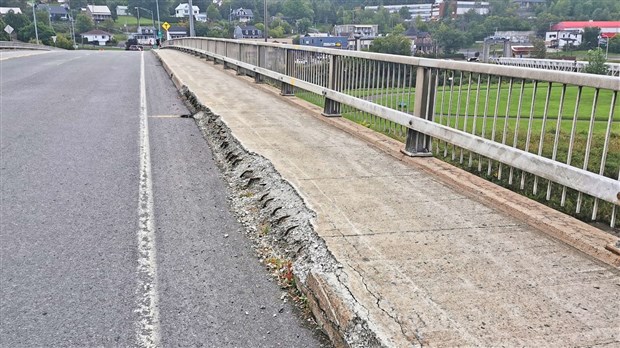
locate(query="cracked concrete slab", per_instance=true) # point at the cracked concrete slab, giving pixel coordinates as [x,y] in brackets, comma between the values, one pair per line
[420,263]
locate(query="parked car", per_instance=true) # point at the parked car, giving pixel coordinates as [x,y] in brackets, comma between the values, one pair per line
[136,48]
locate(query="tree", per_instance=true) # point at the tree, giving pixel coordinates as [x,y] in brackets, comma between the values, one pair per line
[17,21]
[589,38]
[596,62]
[392,44]
[213,14]
[107,25]
[540,49]
[404,13]
[63,42]
[112,6]
[3,34]
[303,25]
[614,44]
[297,9]
[449,39]
[83,23]
[45,33]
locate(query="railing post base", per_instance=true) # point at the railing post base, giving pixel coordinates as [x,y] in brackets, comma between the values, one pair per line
[331,109]
[286,90]
[416,144]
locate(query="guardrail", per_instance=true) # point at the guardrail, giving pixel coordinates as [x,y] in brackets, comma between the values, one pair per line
[613,69]
[552,135]
[23,46]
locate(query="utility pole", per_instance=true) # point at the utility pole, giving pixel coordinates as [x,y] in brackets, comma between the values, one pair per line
[158,23]
[192,33]
[34,16]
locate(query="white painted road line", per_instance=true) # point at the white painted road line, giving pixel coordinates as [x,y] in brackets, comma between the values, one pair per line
[147,329]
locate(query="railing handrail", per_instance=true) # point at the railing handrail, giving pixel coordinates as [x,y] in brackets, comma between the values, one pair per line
[342,78]
[563,77]
[24,45]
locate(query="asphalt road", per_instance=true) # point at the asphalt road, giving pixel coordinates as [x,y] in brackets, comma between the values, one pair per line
[110,240]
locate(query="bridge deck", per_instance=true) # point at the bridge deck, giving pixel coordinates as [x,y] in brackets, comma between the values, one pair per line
[425,263]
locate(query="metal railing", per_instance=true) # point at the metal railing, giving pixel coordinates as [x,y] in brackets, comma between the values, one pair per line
[23,45]
[613,69]
[551,135]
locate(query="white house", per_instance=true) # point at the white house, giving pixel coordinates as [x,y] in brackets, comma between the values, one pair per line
[100,36]
[121,10]
[242,15]
[565,33]
[5,10]
[183,10]
[99,13]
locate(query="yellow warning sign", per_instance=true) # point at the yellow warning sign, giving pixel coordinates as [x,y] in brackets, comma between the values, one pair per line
[165,25]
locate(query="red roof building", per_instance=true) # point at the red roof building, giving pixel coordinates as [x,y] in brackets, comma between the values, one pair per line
[606,26]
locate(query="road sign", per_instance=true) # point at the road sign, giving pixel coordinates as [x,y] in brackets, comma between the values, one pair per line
[54,38]
[166,26]
[159,34]
[8,29]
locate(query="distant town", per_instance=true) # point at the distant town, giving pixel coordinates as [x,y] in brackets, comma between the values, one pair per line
[472,30]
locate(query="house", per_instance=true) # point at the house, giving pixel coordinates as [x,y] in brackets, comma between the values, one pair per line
[145,35]
[97,36]
[5,10]
[528,7]
[570,33]
[98,13]
[242,15]
[421,41]
[247,32]
[366,30]
[201,17]
[176,32]
[55,12]
[522,51]
[424,11]
[183,10]
[122,10]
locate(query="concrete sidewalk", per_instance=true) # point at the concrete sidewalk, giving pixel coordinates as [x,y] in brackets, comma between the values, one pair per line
[421,263]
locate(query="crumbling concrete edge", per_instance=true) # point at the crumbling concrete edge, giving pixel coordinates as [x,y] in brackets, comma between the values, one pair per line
[262,196]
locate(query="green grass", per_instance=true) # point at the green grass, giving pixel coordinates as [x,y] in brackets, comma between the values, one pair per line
[133,21]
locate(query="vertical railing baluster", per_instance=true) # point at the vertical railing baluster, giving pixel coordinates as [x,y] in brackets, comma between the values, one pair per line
[605,148]
[484,117]
[588,145]
[495,115]
[515,140]
[529,128]
[543,129]
[556,139]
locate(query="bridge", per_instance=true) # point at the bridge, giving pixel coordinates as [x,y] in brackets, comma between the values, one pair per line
[613,69]
[413,202]
[425,254]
